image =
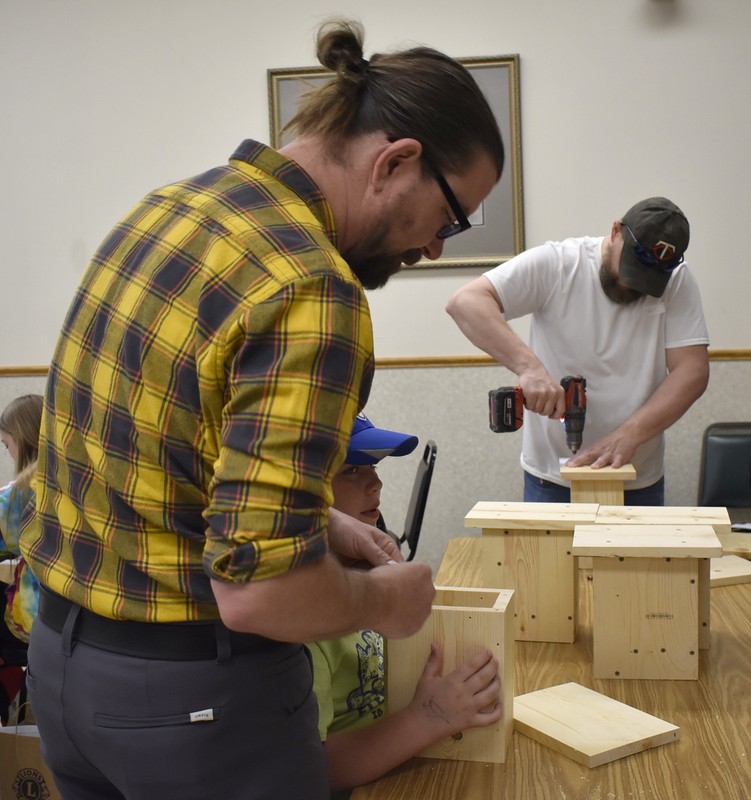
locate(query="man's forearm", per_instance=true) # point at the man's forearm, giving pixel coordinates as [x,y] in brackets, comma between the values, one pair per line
[478,312]
[319,601]
[325,600]
[479,315]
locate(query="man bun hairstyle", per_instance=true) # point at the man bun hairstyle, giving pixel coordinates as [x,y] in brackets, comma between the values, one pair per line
[419,93]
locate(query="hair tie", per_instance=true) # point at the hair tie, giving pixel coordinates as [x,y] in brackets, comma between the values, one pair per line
[362,65]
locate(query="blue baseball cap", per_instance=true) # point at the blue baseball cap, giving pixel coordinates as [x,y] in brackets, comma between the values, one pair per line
[368,444]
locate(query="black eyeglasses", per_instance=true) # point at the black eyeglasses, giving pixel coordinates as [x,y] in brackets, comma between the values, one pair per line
[648,258]
[461,223]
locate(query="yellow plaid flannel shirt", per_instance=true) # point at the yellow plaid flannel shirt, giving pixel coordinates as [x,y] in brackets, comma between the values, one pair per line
[201,395]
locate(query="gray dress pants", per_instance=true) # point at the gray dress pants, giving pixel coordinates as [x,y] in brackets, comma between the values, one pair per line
[239,727]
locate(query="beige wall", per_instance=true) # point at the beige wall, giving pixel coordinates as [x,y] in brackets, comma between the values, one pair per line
[449,405]
[102,101]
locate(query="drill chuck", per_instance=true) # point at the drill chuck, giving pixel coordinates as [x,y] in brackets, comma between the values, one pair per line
[574,425]
[575,388]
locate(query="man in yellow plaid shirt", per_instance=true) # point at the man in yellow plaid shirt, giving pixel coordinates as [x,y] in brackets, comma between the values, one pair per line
[199,400]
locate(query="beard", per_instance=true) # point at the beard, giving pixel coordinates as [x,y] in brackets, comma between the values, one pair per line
[614,289]
[373,263]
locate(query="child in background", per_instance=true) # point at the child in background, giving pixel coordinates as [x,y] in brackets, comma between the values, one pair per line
[348,672]
[19,599]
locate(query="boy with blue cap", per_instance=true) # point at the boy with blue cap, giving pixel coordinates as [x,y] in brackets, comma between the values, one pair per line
[349,679]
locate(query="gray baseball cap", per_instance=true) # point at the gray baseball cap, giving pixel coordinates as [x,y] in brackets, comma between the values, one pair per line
[655,237]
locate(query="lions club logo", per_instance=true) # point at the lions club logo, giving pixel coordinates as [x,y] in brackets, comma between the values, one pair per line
[30,785]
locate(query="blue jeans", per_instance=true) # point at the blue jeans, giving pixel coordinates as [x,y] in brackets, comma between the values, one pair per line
[536,490]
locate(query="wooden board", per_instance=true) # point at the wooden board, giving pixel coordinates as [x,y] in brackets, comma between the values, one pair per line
[624,473]
[461,563]
[717,517]
[532,516]
[729,570]
[600,486]
[648,541]
[587,726]
[463,621]
[610,492]
[8,568]
[704,602]
[645,622]
[539,566]
[736,544]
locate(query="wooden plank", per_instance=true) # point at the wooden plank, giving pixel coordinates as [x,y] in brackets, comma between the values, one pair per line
[728,570]
[704,604]
[624,473]
[735,544]
[587,726]
[649,541]
[461,563]
[610,492]
[7,570]
[539,566]
[463,622]
[646,618]
[616,514]
[708,761]
[533,516]
[603,485]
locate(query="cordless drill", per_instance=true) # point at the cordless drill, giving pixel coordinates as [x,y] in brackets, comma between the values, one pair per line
[506,409]
[575,388]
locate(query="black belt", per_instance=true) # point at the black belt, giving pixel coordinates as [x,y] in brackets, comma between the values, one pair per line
[170,641]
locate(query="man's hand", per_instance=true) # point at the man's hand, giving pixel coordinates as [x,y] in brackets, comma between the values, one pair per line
[357,544]
[402,596]
[688,373]
[542,393]
[613,450]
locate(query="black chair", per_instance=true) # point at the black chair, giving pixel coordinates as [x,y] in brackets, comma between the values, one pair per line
[417,502]
[725,472]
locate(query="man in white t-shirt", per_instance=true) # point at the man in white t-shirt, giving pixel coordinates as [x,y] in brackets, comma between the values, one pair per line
[623,311]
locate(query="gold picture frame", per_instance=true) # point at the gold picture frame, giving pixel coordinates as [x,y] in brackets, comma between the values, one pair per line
[497,232]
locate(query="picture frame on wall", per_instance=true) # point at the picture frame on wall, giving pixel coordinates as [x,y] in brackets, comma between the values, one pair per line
[497,231]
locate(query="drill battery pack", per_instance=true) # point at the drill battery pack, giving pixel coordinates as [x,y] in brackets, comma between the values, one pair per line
[506,409]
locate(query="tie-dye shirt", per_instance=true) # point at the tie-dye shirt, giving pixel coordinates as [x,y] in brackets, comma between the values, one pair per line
[22,595]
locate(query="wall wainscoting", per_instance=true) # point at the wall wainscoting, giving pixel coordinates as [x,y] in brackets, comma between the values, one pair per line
[447,401]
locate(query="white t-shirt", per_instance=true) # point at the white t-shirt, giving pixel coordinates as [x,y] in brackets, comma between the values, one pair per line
[577,330]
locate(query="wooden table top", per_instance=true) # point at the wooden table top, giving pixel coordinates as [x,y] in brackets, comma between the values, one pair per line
[712,759]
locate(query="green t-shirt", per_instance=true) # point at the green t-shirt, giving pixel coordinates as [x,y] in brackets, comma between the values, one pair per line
[349,682]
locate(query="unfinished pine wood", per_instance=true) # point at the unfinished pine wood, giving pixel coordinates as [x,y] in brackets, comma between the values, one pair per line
[676,541]
[729,570]
[463,622]
[601,486]
[587,726]
[735,544]
[539,566]
[527,547]
[646,618]
[709,760]
[7,570]
[521,516]
[703,565]
[597,486]
[625,473]
[655,541]
[717,517]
